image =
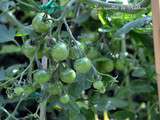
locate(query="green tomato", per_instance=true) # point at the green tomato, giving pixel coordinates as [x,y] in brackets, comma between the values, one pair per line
[89,37]
[18,90]
[102,90]
[82,65]
[76,50]
[105,66]
[120,64]
[60,52]
[28,50]
[65,99]
[41,77]
[55,89]
[98,84]
[39,25]
[68,76]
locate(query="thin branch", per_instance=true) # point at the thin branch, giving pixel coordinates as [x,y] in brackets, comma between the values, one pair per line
[123,8]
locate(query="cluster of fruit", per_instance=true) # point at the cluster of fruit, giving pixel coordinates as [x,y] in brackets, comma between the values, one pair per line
[59,52]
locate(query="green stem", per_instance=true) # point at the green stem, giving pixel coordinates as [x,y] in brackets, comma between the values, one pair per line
[43,103]
[26,4]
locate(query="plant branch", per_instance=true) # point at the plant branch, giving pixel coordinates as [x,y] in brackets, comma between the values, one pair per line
[123,8]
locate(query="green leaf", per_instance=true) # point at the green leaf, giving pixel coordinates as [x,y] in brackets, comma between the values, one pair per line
[134,24]
[124,115]
[10,49]
[5,4]
[6,34]
[141,87]
[81,84]
[74,113]
[102,103]
[138,72]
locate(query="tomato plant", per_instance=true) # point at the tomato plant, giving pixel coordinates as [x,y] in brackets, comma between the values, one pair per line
[77,60]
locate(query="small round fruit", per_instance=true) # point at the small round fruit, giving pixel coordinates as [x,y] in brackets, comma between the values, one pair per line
[82,65]
[120,64]
[98,85]
[65,99]
[28,50]
[18,90]
[60,52]
[68,76]
[105,66]
[102,90]
[39,24]
[41,77]
[76,50]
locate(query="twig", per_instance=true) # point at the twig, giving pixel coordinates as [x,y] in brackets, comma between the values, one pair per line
[122,8]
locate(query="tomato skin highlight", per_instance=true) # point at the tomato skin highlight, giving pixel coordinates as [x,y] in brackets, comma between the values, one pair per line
[82,65]
[68,76]
[60,52]
[39,25]
[76,50]
[65,99]
[98,85]
[41,77]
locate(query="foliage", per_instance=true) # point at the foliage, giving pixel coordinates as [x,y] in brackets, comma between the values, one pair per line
[78,60]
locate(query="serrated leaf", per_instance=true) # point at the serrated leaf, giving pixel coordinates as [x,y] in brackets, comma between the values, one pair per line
[81,84]
[5,4]
[138,72]
[106,104]
[6,34]
[140,87]
[74,112]
[24,31]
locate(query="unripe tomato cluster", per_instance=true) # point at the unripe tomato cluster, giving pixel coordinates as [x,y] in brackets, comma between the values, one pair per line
[62,53]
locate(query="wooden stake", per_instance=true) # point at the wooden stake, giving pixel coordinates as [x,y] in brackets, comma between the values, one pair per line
[156,35]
